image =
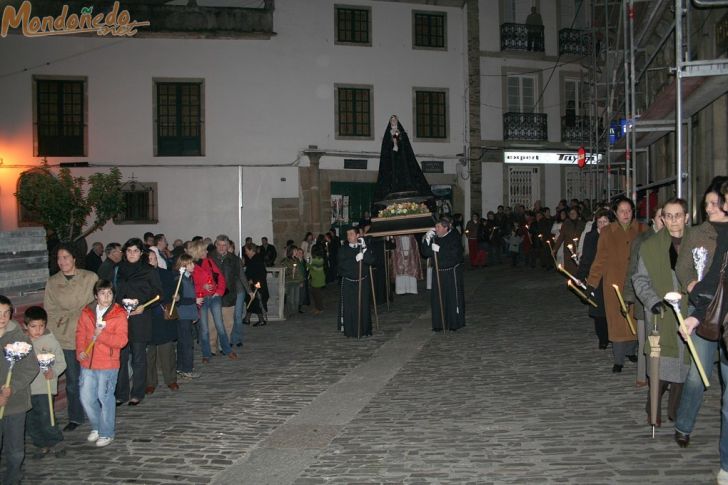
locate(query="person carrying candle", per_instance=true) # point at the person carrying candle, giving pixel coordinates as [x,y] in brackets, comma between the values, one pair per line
[653,278]
[610,268]
[43,434]
[15,398]
[100,362]
[695,281]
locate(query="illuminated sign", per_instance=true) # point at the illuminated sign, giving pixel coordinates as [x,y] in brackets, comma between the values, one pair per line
[550,158]
[115,22]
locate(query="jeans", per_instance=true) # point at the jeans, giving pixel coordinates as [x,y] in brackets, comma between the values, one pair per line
[214,305]
[293,298]
[97,396]
[12,438]
[138,352]
[236,336]
[73,370]
[185,346]
[692,395]
[38,423]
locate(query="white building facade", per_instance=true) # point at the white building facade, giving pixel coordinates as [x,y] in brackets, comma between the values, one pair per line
[244,134]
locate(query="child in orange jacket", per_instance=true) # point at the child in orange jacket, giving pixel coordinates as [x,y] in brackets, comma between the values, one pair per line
[101,334]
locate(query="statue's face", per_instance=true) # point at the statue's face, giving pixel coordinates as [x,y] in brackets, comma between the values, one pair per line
[393,122]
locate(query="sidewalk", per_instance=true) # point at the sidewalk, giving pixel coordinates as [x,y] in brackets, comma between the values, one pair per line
[521,395]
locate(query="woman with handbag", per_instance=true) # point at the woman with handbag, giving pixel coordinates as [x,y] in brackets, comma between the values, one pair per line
[708,239]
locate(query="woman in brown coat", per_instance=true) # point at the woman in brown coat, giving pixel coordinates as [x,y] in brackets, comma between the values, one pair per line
[610,267]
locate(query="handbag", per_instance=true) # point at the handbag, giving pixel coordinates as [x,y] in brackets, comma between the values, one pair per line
[711,326]
[170,316]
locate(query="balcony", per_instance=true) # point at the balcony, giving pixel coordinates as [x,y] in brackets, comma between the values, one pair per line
[522,37]
[574,42]
[576,130]
[525,126]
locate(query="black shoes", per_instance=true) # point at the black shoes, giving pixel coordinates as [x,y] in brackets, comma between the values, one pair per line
[616,368]
[603,346]
[632,358]
[71,426]
[682,439]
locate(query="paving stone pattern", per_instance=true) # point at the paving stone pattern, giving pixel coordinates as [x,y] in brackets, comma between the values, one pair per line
[521,395]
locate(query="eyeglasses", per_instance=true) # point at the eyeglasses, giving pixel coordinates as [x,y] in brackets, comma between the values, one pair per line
[673,217]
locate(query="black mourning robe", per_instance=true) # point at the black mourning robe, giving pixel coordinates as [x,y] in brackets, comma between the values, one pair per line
[399,175]
[450,261]
[377,246]
[349,291]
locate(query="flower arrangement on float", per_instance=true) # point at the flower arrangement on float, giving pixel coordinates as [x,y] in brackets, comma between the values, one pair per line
[404,209]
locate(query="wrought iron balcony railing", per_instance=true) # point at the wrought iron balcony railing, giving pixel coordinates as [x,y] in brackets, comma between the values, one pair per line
[522,37]
[574,42]
[525,126]
[576,129]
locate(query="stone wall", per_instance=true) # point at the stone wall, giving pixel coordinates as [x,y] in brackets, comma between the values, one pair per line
[23,261]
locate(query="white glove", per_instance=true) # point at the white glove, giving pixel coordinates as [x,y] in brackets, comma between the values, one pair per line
[429,235]
[359,257]
[362,243]
[436,247]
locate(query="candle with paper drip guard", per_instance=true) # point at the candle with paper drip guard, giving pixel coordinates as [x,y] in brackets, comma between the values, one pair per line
[580,293]
[673,298]
[101,324]
[573,256]
[14,352]
[576,280]
[45,362]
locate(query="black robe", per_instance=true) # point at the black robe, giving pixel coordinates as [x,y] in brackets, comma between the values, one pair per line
[399,173]
[256,273]
[377,246]
[450,261]
[349,294]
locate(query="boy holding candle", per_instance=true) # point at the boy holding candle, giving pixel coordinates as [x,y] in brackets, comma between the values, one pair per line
[15,398]
[42,433]
[101,333]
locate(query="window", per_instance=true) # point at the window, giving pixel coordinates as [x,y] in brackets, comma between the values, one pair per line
[572,97]
[521,94]
[140,203]
[178,122]
[516,11]
[353,112]
[430,114]
[353,25]
[429,29]
[60,114]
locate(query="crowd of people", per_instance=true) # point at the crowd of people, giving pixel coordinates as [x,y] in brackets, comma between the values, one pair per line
[112,320]
[142,305]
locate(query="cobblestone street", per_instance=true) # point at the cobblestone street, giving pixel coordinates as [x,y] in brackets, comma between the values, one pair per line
[521,395]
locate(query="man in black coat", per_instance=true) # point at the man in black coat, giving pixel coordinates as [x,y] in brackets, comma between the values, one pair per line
[93,258]
[443,243]
[109,268]
[354,259]
[232,269]
[268,251]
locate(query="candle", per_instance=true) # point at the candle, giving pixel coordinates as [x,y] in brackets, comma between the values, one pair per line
[624,310]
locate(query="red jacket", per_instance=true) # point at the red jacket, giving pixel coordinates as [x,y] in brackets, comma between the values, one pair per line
[106,351]
[205,274]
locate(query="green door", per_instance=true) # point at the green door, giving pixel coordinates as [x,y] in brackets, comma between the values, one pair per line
[361,197]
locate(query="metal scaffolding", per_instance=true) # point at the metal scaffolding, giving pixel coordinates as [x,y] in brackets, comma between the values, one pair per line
[634,36]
